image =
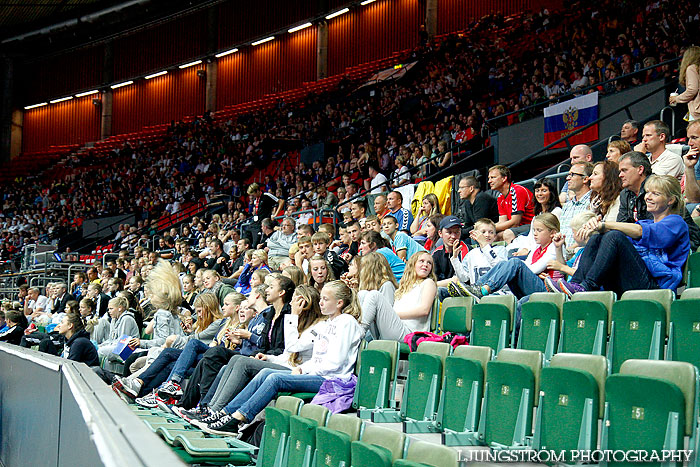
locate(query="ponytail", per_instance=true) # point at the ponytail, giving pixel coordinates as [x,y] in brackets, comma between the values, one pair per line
[351,306]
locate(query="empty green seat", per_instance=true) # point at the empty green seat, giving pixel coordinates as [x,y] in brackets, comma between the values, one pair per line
[586,322]
[423,385]
[379,447]
[333,442]
[570,403]
[216,450]
[457,315]
[642,413]
[663,297]
[512,381]
[434,455]
[693,266]
[539,326]
[460,402]
[376,381]
[684,331]
[169,435]
[302,434]
[638,331]
[691,292]
[492,321]
[273,445]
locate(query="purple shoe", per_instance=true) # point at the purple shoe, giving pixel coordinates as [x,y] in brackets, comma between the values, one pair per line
[570,288]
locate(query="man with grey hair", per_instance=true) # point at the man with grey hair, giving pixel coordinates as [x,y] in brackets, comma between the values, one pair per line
[578,154]
[280,242]
[630,132]
[35,303]
[62,297]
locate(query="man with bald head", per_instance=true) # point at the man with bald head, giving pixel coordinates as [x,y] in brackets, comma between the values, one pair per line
[380,208]
[579,153]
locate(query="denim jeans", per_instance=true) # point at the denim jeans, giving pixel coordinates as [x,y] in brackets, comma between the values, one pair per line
[516,275]
[237,373]
[190,356]
[159,370]
[265,386]
[611,262]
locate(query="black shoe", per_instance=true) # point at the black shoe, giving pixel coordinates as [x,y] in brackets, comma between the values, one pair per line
[226,425]
[194,414]
[211,418]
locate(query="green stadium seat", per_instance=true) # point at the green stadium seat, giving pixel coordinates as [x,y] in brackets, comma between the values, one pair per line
[662,296]
[379,447]
[273,446]
[426,372]
[647,406]
[684,331]
[302,434]
[376,380]
[586,322]
[539,325]
[333,442]
[512,381]
[435,316]
[457,315]
[570,403]
[169,435]
[638,331]
[693,265]
[217,451]
[492,322]
[424,453]
[460,402]
[691,293]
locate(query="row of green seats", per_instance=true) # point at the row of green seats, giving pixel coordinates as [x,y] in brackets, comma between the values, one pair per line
[307,435]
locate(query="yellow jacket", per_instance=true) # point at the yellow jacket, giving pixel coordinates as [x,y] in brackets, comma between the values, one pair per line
[443,191]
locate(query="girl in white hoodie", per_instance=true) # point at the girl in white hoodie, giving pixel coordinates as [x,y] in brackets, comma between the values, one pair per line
[334,355]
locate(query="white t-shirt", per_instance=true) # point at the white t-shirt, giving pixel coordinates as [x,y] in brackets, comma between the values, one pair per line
[409,299]
[378,181]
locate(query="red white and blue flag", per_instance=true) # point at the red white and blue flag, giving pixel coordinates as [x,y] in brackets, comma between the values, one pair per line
[566,117]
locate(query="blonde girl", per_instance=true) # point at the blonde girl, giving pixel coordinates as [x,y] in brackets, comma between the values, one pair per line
[320,272]
[375,274]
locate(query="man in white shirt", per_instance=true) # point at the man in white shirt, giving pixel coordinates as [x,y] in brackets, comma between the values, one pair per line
[378,182]
[35,304]
[655,136]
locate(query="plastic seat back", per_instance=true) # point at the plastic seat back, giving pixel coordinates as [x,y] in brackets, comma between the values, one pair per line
[684,332]
[374,377]
[333,442]
[475,352]
[693,266]
[539,326]
[391,440]
[506,382]
[584,327]
[639,331]
[457,315]
[432,454]
[682,374]
[663,297]
[491,325]
[604,297]
[691,293]
[595,365]
[426,372]
[638,409]
[460,375]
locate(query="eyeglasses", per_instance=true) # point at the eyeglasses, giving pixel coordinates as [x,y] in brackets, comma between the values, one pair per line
[571,174]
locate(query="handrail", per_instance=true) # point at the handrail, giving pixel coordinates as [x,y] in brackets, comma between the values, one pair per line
[549,102]
[565,139]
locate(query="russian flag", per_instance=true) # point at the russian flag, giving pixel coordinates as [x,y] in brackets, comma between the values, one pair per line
[566,117]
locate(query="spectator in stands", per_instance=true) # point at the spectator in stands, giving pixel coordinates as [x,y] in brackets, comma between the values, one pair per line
[429,206]
[257,261]
[334,354]
[579,153]
[432,228]
[474,204]
[655,136]
[402,244]
[647,254]
[77,340]
[371,241]
[605,190]
[546,200]
[380,207]
[402,175]
[690,160]
[15,330]
[689,77]
[94,292]
[280,242]
[78,288]
[516,206]
[616,149]
[262,206]
[403,216]
[358,209]
[450,232]
[320,272]
[630,132]
[217,259]
[122,323]
[326,199]
[579,197]
[377,182]
[35,304]
[242,245]
[321,242]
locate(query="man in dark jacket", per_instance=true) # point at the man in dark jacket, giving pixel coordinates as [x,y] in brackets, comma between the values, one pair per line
[474,204]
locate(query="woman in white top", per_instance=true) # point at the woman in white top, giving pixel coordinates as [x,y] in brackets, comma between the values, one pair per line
[412,305]
[375,274]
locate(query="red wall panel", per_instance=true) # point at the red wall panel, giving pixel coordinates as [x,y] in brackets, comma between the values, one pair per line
[456,15]
[58,76]
[69,122]
[158,100]
[274,66]
[162,46]
[372,32]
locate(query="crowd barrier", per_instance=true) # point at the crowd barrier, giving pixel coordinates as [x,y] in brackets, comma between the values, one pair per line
[55,412]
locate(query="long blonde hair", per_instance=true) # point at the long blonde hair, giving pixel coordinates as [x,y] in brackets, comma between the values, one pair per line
[691,56]
[341,291]
[163,287]
[210,310]
[374,271]
[410,278]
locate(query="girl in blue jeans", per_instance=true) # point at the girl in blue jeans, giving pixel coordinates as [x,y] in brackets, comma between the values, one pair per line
[334,354]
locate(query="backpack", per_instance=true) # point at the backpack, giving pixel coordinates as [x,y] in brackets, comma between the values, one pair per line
[415,338]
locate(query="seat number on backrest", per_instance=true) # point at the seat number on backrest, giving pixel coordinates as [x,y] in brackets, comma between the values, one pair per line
[696,327]
[581,323]
[563,399]
[371,370]
[505,390]
[638,413]
[634,325]
[487,323]
[421,376]
[459,382]
[536,322]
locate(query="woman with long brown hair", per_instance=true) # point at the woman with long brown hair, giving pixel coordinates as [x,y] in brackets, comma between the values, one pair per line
[606,187]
